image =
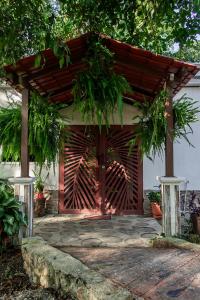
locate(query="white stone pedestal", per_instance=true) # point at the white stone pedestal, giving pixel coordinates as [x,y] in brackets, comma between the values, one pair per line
[26,191]
[170,192]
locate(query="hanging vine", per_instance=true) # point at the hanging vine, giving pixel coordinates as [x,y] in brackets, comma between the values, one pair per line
[46,134]
[98,92]
[151,129]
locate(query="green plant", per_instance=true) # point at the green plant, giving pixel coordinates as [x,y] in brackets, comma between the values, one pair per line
[10,131]
[185,113]
[152,126]
[154,197]
[194,238]
[98,91]
[39,185]
[11,218]
[46,131]
[39,181]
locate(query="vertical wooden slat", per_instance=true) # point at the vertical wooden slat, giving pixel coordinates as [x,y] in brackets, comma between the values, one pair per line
[140,184]
[24,134]
[61,182]
[101,168]
[169,149]
[124,173]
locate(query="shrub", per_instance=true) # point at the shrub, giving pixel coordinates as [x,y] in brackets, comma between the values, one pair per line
[11,218]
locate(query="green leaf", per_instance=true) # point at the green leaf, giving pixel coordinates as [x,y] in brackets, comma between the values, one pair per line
[62,61]
[37,60]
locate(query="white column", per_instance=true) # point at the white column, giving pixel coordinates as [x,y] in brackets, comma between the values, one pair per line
[170,191]
[25,186]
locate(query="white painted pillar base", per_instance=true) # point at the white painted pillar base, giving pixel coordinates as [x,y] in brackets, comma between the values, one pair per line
[170,192]
[26,191]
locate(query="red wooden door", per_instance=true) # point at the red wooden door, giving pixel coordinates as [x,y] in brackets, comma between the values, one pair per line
[78,172]
[97,173]
[123,173]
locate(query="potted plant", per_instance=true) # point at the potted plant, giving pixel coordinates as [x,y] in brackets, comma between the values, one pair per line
[155,199]
[40,200]
[39,187]
[195,218]
[194,208]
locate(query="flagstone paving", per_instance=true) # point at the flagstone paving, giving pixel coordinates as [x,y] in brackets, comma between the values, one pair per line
[76,231]
[119,249]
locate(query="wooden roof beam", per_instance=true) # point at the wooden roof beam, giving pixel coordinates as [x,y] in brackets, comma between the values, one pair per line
[48,71]
[142,68]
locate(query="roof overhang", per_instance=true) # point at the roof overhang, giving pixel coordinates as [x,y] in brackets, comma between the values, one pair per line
[145,71]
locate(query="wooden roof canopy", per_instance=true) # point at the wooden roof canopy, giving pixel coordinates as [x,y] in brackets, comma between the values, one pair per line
[145,71]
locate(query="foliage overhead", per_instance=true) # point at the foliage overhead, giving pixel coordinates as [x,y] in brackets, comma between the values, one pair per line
[191,54]
[99,91]
[151,129]
[137,21]
[45,131]
[27,27]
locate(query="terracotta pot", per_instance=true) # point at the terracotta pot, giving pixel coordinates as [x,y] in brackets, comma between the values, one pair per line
[39,196]
[39,210]
[156,211]
[196,223]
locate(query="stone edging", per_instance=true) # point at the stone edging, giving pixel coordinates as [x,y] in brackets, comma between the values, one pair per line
[50,267]
[172,242]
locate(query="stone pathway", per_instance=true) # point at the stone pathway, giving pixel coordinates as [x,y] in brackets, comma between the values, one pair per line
[75,231]
[119,249]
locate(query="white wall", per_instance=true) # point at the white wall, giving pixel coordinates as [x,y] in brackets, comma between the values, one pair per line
[186,158]
[74,117]
[7,94]
[13,170]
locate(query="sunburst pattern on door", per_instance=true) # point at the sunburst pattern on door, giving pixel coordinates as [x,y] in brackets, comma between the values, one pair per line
[123,173]
[98,174]
[80,171]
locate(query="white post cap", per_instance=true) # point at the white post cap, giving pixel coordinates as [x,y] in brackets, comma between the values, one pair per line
[171,180]
[21,180]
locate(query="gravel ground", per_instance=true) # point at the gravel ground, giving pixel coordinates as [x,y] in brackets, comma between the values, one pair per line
[15,284]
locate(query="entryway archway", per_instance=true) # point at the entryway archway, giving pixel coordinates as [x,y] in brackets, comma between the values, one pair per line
[98,173]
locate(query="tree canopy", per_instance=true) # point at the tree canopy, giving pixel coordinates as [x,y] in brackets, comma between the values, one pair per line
[28,27]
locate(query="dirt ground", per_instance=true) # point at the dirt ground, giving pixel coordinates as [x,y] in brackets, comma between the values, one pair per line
[15,284]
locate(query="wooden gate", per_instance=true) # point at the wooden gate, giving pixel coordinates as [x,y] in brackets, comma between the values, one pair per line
[98,175]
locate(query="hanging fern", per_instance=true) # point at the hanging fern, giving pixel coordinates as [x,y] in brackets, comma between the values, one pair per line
[99,91]
[45,130]
[10,132]
[151,129]
[46,133]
